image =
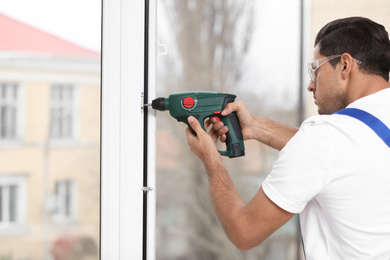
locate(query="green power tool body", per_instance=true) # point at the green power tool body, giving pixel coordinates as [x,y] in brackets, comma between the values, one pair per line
[202,105]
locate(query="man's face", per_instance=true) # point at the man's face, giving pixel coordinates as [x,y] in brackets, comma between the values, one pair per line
[327,92]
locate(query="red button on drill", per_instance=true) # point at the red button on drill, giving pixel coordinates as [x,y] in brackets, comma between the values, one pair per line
[188,102]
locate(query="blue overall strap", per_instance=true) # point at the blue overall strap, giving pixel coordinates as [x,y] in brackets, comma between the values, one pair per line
[374,123]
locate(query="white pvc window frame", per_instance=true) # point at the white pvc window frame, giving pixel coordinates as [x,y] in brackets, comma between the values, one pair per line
[16,226]
[11,101]
[63,102]
[65,201]
[122,130]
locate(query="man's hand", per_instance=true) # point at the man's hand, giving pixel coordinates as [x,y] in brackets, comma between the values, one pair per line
[203,144]
[264,130]
[244,116]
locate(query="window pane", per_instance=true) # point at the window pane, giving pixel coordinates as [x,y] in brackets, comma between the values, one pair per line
[250,49]
[8,111]
[62,112]
[12,203]
[50,129]
[220,46]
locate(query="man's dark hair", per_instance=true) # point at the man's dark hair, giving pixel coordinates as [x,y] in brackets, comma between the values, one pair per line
[362,38]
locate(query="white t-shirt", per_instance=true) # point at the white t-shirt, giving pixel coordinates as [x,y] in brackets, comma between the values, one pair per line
[335,172]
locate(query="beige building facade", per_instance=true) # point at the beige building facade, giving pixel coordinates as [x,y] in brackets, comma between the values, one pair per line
[49,147]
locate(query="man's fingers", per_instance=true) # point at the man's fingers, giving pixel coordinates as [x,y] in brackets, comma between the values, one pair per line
[211,121]
[231,107]
[207,123]
[218,129]
[215,119]
[194,123]
[214,135]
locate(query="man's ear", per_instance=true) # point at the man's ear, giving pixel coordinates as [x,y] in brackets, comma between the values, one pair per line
[347,63]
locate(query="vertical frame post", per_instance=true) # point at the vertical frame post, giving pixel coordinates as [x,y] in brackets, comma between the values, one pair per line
[122,132]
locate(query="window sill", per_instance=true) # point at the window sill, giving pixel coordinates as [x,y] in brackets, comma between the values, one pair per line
[12,230]
[65,221]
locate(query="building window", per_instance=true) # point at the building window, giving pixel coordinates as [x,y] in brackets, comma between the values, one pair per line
[62,124]
[65,194]
[12,203]
[8,111]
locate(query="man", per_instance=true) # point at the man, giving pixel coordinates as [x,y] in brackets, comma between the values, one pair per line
[334,171]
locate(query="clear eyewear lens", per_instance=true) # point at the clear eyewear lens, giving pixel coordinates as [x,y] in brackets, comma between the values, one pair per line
[312,67]
[315,64]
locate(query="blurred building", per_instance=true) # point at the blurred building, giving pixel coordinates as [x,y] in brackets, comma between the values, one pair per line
[49,145]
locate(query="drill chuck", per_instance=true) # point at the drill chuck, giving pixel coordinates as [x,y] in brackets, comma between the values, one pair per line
[160,104]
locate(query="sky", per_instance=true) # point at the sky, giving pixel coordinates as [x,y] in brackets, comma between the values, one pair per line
[78,21]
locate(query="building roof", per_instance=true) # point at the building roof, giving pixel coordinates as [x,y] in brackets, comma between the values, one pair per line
[20,37]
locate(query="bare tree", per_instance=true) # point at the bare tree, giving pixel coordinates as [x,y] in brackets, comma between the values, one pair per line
[211,39]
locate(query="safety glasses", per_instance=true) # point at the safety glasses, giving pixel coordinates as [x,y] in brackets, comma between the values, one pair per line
[314,65]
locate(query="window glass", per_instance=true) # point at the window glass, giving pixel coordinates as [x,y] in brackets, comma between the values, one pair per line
[50,129]
[236,47]
[65,201]
[12,203]
[62,111]
[8,111]
[255,50]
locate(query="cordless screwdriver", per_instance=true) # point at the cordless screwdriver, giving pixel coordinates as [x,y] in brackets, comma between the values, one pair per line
[201,105]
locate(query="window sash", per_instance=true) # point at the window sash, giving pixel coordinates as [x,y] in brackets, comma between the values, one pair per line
[8,111]
[65,201]
[62,112]
[12,201]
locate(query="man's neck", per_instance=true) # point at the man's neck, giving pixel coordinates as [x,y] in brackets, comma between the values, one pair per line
[367,85]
